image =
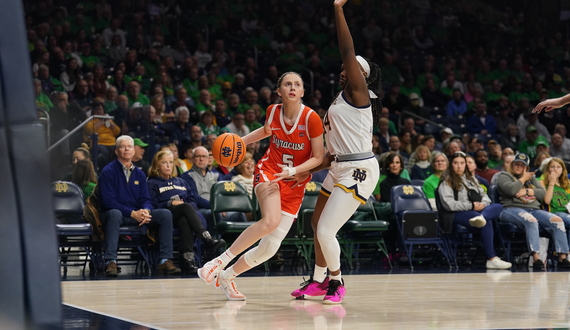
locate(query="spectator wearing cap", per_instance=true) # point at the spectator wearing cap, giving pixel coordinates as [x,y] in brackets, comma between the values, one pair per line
[533,139]
[134,95]
[531,119]
[482,162]
[495,154]
[481,122]
[416,106]
[521,195]
[138,160]
[456,106]
[558,148]
[444,135]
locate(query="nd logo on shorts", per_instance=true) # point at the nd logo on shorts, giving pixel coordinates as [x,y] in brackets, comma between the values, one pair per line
[359,175]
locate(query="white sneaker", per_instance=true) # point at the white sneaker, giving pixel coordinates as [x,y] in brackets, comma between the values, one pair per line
[478,221]
[210,271]
[497,263]
[228,286]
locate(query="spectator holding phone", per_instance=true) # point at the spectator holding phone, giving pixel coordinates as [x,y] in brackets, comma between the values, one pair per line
[520,194]
[173,193]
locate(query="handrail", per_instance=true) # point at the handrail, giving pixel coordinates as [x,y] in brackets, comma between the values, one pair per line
[78,128]
[411,114]
[46,114]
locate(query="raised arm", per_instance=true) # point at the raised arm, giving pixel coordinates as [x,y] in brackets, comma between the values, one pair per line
[551,104]
[357,82]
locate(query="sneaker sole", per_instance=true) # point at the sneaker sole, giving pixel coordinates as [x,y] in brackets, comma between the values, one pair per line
[330,302]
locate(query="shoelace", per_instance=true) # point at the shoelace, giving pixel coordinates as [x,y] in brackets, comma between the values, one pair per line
[306,283]
[333,287]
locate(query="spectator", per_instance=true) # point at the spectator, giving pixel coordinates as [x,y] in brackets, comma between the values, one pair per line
[245,173]
[204,102]
[561,129]
[452,148]
[207,124]
[439,164]
[504,119]
[520,194]
[532,141]
[558,148]
[456,106]
[196,136]
[179,164]
[532,120]
[127,202]
[71,75]
[42,100]
[383,133]
[134,95]
[64,118]
[179,130]
[138,160]
[482,161]
[432,96]
[539,163]
[183,100]
[421,169]
[460,193]
[251,120]
[393,167]
[84,176]
[474,145]
[49,83]
[237,126]
[481,122]
[511,139]
[507,161]
[110,99]
[107,131]
[112,31]
[472,166]
[222,118]
[171,192]
[200,179]
[495,154]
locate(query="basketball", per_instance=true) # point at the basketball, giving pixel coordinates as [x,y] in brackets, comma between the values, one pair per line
[228,149]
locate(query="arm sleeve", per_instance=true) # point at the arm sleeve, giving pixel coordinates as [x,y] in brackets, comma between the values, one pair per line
[144,197]
[108,193]
[201,202]
[539,191]
[507,186]
[315,125]
[448,199]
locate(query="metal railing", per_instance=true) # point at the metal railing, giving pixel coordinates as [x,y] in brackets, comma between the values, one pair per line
[411,114]
[76,129]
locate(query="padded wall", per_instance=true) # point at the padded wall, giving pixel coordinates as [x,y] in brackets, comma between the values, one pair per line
[30,295]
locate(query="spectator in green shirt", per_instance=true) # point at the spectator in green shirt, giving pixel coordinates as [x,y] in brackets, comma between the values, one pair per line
[134,95]
[529,145]
[251,120]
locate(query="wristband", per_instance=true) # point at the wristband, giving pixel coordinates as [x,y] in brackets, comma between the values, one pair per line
[292,170]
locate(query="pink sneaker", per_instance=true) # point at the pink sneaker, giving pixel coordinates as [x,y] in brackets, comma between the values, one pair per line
[335,293]
[311,288]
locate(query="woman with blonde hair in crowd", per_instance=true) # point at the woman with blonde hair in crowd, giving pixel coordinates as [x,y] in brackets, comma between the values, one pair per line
[422,167]
[181,166]
[171,192]
[557,198]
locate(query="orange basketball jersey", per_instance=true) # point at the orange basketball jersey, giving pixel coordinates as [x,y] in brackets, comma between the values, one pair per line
[291,146]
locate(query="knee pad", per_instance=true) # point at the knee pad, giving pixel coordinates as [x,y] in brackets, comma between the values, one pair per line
[269,245]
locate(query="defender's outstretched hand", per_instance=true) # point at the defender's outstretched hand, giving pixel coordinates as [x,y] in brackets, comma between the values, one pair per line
[551,104]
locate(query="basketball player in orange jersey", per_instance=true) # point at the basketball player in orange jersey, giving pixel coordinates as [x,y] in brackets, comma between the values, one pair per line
[296,145]
[354,169]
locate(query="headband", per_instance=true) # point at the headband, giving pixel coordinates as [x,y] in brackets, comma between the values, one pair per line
[366,71]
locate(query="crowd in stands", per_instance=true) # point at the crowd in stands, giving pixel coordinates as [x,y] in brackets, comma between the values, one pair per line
[457,76]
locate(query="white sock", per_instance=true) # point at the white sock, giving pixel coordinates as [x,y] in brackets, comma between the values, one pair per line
[226,257]
[229,273]
[336,277]
[319,274]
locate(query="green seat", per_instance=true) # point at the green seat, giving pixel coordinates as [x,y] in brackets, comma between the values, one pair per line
[367,232]
[229,196]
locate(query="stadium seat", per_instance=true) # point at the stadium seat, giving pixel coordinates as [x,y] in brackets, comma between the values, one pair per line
[367,231]
[228,196]
[75,247]
[410,205]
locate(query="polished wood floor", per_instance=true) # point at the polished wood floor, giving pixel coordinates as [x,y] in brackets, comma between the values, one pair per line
[492,300]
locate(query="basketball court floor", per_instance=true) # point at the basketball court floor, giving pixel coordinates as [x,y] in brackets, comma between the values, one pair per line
[398,299]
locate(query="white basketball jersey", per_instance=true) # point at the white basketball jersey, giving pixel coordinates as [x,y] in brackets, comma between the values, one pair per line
[348,128]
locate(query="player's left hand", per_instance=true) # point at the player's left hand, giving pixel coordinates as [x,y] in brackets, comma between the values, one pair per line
[284,174]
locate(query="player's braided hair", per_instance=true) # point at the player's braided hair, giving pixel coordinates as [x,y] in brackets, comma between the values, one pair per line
[374,82]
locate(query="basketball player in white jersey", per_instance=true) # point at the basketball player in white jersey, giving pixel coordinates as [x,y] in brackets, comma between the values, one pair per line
[354,170]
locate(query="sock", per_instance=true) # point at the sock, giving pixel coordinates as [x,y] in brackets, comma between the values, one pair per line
[226,257]
[229,273]
[319,274]
[336,277]
[162,261]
